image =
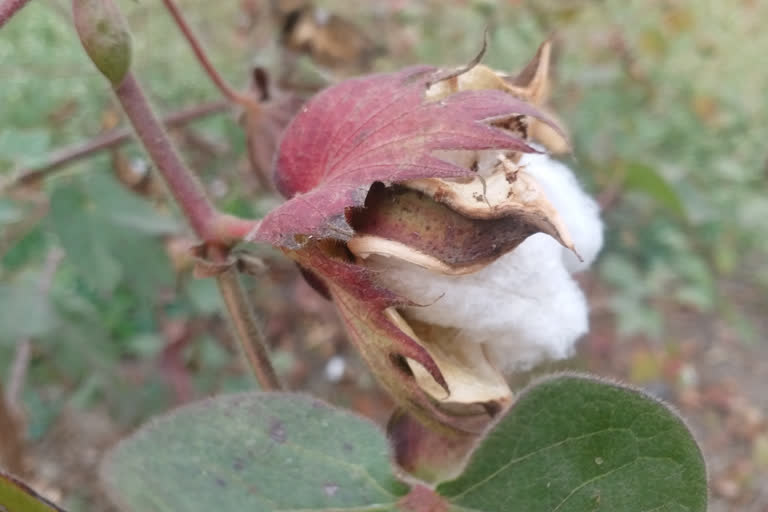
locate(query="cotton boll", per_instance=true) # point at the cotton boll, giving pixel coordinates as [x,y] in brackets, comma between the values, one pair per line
[525,306]
[579,212]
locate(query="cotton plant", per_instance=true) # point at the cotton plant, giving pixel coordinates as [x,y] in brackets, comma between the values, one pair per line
[427,205]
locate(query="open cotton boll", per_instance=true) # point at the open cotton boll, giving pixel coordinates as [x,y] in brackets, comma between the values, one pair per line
[524,307]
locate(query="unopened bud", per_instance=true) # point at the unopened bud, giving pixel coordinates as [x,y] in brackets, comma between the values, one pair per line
[105,37]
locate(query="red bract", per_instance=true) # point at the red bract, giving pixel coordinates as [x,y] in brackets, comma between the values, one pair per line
[376,128]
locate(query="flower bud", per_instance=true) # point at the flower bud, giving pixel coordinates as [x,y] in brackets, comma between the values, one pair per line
[105,37]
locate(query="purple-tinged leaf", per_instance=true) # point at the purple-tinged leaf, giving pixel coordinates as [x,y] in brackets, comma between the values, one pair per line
[376,128]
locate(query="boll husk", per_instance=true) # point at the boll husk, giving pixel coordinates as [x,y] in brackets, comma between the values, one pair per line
[445,239]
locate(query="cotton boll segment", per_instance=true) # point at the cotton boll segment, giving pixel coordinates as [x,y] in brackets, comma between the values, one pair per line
[525,306]
[579,212]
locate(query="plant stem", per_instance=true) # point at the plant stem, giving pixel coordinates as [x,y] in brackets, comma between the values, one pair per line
[185,187]
[12,447]
[210,225]
[247,329]
[217,231]
[8,8]
[17,374]
[230,93]
[108,140]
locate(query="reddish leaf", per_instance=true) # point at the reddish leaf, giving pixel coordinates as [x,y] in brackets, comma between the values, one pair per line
[356,292]
[376,128]
[264,127]
[426,454]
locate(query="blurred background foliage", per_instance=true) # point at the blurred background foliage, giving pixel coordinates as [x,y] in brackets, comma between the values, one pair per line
[665,102]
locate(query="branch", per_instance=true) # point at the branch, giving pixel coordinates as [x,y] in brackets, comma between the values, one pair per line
[185,187]
[210,225]
[230,93]
[247,329]
[108,140]
[216,229]
[8,8]
[12,447]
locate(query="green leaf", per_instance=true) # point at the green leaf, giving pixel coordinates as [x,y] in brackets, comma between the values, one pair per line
[83,236]
[109,234]
[576,444]
[124,208]
[204,296]
[9,212]
[24,312]
[644,178]
[15,496]
[143,261]
[256,452]
[20,147]
[30,247]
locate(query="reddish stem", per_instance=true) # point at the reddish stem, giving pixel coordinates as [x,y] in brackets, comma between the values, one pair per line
[185,187]
[217,229]
[247,329]
[197,47]
[231,229]
[8,8]
[12,448]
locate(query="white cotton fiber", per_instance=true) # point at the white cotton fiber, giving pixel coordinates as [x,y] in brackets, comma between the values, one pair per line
[579,211]
[525,307]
